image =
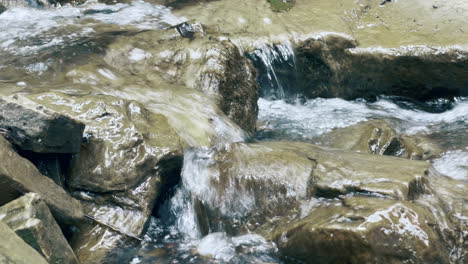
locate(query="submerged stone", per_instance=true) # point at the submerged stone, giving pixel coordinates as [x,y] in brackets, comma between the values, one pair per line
[14,250]
[32,127]
[31,219]
[378,137]
[19,176]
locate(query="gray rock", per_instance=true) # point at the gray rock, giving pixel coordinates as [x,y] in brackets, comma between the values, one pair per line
[13,250]
[19,176]
[32,127]
[31,219]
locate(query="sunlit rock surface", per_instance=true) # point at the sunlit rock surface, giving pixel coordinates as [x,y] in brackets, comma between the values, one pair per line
[14,250]
[19,176]
[31,219]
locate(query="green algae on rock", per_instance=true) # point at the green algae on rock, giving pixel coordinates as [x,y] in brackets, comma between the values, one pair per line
[281,5]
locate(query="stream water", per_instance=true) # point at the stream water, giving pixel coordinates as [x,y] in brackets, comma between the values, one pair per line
[173,235]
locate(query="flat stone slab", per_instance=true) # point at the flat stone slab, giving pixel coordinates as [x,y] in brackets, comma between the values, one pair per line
[32,127]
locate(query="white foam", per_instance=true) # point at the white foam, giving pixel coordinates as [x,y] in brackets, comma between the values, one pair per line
[137,54]
[318,116]
[454,164]
[27,30]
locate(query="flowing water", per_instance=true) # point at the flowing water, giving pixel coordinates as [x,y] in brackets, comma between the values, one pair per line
[174,234]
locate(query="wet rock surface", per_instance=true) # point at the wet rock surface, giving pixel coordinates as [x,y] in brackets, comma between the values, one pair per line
[32,127]
[19,176]
[14,250]
[378,137]
[364,230]
[255,182]
[31,219]
[336,67]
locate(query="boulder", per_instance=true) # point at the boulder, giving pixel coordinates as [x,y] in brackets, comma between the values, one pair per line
[243,185]
[31,219]
[216,68]
[334,66]
[129,156]
[378,137]
[124,141]
[19,176]
[230,77]
[32,127]
[14,250]
[362,230]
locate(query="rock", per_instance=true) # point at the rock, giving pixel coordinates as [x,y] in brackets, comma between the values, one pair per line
[96,242]
[244,185]
[14,250]
[19,176]
[31,219]
[378,137]
[362,230]
[128,158]
[216,68]
[32,127]
[335,67]
[124,141]
[2,9]
[230,77]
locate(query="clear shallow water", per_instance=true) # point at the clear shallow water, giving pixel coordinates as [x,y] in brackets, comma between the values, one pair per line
[280,120]
[26,31]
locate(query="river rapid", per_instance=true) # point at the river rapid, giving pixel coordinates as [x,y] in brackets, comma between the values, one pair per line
[37,45]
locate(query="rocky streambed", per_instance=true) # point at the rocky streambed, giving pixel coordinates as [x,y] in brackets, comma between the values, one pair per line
[233,131]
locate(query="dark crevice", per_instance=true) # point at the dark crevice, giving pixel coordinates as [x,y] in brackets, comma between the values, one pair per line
[170,171]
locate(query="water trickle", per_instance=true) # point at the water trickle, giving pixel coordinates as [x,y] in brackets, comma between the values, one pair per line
[276,71]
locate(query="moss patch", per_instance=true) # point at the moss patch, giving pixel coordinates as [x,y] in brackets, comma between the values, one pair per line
[281,5]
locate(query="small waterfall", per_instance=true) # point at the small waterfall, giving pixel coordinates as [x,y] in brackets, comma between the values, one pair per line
[276,71]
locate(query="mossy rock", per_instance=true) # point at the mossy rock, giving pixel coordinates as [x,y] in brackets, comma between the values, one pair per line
[282,5]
